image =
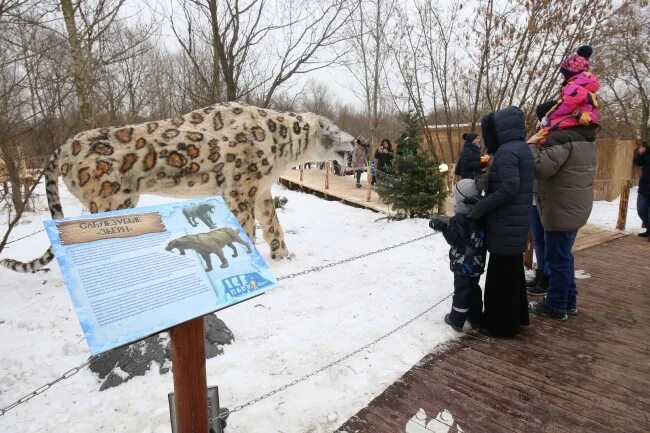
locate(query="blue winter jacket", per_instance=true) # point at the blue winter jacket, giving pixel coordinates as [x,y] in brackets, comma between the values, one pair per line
[508,202]
[467,240]
[469,163]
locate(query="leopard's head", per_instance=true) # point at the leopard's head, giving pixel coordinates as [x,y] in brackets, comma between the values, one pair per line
[334,143]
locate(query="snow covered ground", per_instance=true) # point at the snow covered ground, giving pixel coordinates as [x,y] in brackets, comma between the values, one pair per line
[291,331]
[605,214]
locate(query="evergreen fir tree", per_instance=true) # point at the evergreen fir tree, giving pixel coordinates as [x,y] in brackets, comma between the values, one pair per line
[413,186]
[409,142]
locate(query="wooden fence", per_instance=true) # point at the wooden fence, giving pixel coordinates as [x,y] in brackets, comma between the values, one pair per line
[614,168]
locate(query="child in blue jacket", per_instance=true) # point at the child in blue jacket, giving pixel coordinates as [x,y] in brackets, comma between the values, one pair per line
[467,256]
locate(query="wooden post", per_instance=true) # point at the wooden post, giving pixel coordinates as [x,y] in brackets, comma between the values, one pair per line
[528,255]
[327,175]
[190,383]
[369,180]
[300,172]
[622,207]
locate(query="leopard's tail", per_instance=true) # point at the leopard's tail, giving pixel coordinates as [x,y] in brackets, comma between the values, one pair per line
[52,173]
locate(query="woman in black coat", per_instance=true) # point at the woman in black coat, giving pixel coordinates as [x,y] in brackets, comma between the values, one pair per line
[383,157]
[469,163]
[506,208]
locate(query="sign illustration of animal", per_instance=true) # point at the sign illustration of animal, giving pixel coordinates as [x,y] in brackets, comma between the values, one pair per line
[210,243]
[202,212]
[229,148]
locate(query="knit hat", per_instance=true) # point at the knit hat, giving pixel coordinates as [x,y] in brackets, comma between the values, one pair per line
[465,188]
[469,136]
[544,108]
[576,63]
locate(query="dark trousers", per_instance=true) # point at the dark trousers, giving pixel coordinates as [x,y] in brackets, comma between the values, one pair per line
[358,175]
[643,208]
[467,302]
[537,230]
[561,295]
[506,300]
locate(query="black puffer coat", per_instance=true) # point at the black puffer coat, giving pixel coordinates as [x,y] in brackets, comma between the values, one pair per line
[644,162]
[469,163]
[508,201]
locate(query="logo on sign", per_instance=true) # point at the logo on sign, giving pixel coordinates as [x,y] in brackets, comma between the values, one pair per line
[240,285]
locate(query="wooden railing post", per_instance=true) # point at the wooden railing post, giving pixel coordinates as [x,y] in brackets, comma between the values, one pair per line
[528,255]
[622,206]
[327,175]
[301,173]
[369,180]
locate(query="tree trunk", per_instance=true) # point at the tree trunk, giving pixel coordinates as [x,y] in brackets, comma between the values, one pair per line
[215,84]
[13,168]
[79,60]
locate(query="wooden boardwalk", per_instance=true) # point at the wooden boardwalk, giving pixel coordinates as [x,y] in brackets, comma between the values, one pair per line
[588,374]
[342,188]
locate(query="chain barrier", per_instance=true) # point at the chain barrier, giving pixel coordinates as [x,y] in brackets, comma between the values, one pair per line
[68,374]
[25,237]
[225,414]
[351,259]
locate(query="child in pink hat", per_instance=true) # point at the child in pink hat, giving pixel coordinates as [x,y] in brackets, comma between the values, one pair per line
[579,103]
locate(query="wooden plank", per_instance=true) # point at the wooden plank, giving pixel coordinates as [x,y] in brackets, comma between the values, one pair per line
[588,374]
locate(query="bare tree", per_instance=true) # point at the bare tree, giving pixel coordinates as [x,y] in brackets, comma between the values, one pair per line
[88,26]
[624,45]
[248,53]
[373,30]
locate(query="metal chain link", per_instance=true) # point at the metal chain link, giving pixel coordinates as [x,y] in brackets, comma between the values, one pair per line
[351,259]
[226,413]
[25,237]
[91,360]
[68,374]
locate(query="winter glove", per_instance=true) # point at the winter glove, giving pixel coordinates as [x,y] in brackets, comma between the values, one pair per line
[439,223]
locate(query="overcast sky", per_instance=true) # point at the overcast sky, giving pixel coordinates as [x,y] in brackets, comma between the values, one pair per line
[337,78]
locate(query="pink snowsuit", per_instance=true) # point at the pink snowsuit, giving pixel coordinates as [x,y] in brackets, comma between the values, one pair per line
[578,107]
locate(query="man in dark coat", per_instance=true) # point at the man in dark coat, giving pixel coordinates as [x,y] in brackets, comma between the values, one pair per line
[469,163]
[565,167]
[642,159]
[506,208]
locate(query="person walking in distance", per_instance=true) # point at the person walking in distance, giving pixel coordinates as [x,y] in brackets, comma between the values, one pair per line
[360,158]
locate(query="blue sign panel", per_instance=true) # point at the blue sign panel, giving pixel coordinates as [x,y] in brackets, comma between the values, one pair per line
[133,273]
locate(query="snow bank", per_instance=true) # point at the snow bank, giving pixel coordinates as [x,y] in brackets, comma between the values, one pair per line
[304,324]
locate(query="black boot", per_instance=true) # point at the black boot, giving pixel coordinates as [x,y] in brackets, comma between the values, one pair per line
[455,326]
[541,287]
[541,309]
[643,235]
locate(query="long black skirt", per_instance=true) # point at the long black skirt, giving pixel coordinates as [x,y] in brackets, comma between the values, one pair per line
[505,299]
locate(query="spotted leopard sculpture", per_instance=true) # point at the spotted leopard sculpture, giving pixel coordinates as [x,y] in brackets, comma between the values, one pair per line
[230,149]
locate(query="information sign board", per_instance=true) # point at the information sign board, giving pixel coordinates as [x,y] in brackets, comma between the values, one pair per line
[135,272]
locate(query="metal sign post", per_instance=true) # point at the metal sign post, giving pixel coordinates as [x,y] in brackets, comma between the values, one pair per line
[190,382]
